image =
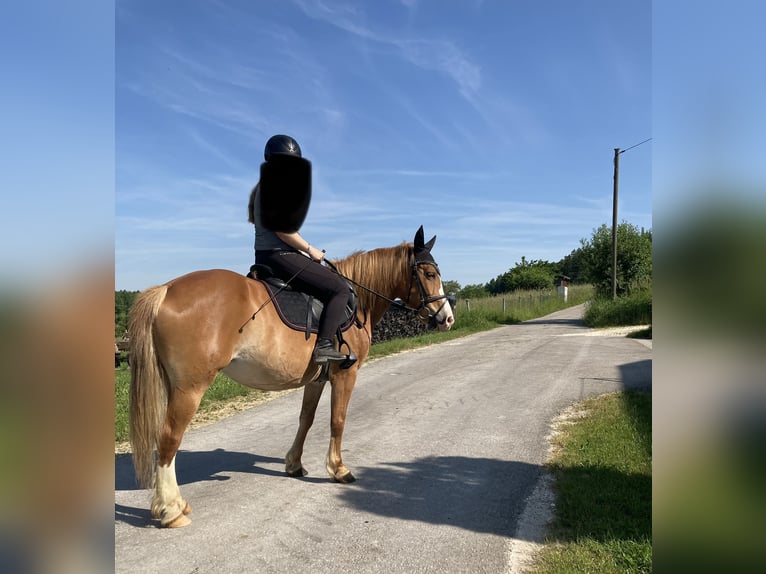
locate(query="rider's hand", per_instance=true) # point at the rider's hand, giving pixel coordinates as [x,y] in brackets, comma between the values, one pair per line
[315,254]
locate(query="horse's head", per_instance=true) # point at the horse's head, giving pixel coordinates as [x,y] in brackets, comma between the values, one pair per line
[426,291]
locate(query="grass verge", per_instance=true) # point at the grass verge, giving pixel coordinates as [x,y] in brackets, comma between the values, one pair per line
[222,390]
[603,483]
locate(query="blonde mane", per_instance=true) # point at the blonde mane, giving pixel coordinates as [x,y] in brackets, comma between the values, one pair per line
[385,270]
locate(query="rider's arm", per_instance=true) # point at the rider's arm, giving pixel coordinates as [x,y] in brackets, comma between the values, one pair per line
[295,241]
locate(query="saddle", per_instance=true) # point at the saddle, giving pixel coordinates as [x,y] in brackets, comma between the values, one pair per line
[300,311]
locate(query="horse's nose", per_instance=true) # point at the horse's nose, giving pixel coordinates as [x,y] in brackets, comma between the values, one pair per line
[450,321]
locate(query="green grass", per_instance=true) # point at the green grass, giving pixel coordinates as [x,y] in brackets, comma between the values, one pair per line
[519,306]
[635,309]
[222,389]
[603,483]
[121,403]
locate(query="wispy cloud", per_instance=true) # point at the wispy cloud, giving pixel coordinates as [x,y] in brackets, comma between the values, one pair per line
[508,119]
[438,55]
[445,57]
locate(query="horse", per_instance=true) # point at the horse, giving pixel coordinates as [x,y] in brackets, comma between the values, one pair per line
[184,332]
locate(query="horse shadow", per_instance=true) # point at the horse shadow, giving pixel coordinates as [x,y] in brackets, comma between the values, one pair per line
[200,466]
[197,467]
[138,517]
[477,494]
[480,495]
[470,493]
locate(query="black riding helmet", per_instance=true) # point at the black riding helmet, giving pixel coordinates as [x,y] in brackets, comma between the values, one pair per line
[281,145]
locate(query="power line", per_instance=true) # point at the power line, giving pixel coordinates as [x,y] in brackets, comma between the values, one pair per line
[638,144]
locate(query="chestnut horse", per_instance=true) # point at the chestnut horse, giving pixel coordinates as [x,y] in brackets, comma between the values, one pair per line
[184,332]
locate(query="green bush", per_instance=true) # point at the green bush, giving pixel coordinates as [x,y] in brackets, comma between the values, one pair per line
[633,309]
[634,259]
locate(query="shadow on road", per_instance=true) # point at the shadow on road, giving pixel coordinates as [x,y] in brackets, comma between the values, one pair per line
[138,517]
[637,375]
[194,467]
[477,494]
[199,466]
[544,321]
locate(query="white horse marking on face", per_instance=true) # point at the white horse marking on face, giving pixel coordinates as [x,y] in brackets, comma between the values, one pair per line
[444,318]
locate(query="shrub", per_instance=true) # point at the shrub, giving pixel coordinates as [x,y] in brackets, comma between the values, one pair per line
[633,309]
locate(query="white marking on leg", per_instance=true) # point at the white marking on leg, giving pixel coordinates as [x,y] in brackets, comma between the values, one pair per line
[166,477]
[167,495]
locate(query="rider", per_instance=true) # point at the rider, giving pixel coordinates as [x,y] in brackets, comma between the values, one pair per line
[290,256]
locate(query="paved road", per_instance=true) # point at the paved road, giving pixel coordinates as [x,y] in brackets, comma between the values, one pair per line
[446,443]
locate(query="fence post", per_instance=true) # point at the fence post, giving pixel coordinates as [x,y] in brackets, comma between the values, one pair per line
[503,306]
[468,305]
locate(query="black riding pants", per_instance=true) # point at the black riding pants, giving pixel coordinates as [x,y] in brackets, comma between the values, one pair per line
[314,279]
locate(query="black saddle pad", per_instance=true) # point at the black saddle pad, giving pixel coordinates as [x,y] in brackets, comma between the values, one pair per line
[301,311]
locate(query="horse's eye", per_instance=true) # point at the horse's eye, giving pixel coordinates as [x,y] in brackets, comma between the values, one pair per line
[430,275]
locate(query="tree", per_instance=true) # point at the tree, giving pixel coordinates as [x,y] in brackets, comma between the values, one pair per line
[634,259]
[123,300]
[526,275]
[451,287]
[473,292]
[574,266]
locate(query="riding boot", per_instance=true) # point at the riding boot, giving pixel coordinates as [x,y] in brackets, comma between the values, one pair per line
[325,351]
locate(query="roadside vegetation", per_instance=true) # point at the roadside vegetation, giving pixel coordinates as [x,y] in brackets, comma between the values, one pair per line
[633,309]
[603,483]
[222,391]
[484,313]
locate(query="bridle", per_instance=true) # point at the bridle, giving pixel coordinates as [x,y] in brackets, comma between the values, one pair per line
[426,299]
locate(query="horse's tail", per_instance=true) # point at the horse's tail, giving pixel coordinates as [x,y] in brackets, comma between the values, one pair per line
[149,383]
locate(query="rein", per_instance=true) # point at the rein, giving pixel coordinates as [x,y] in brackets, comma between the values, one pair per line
[380,295]
[424,299]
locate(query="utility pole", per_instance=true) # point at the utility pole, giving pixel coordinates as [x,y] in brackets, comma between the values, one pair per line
[614,223]
[617,152]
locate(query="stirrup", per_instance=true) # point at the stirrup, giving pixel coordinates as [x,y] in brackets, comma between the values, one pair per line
[351,358]
[349,361]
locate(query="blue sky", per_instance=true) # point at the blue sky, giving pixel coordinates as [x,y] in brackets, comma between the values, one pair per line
[57,161]
[493,124]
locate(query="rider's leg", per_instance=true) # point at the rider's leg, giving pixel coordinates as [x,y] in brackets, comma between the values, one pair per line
[325,285]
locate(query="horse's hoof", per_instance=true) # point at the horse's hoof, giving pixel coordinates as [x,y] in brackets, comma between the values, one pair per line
[179,521]
[187,510]
[347,478]
[297,473]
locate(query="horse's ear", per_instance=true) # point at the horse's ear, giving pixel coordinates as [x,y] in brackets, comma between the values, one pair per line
[430,243]
[419,239]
